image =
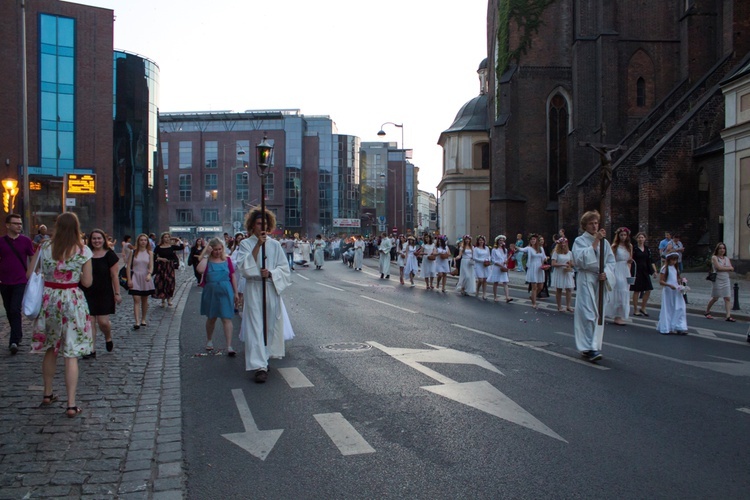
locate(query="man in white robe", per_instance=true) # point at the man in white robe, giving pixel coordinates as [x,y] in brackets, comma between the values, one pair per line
[278,278]
[588,280]
[384,256]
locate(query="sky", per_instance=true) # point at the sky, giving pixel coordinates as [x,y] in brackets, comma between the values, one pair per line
[361,62]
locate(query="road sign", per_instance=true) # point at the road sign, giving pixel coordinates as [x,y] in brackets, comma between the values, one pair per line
[236,225]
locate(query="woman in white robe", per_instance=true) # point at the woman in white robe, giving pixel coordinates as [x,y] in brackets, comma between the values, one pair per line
[411,265]
[535,258]
[429,257]
[618,305]
[562,274]
[359,252]
[467,282]
[499,268]
[482,265]
[442,263]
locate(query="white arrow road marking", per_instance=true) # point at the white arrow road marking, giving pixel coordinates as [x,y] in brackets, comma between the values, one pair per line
[483,396]
[736,367]
[387,304]
[294,378]
[534,348]
[744,410]
[329,286]
[480,395]
[256,442]
[343,434]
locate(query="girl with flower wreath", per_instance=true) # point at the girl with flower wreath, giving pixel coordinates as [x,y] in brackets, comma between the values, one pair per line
[64,324]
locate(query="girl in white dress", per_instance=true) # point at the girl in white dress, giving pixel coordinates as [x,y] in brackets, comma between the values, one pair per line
[618,304]
[482,265]
[411,267]
[442,262]
[562,274]
[401,256]
[318,248]
[673,314]
[535,258]
[499,273]
[466,278]
[429,261]
[359,252]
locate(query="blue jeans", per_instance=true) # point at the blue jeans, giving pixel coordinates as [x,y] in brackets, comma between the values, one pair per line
[290,259]
[12,298]
[519,261]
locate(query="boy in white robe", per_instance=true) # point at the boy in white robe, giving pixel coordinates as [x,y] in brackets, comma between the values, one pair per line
[278,278]
[586,261]
[384,256]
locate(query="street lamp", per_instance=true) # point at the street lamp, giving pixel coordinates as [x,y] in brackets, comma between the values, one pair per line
[381,133]
[264,152]
[9,196]
[226,173]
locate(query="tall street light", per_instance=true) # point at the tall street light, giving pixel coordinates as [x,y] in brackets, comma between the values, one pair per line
[226,173]
[264,152]
[381,133]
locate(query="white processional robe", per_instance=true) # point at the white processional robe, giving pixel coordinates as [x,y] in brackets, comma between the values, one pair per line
[319,252]
[359,253]
[251,332]
[586,262]
[384,256]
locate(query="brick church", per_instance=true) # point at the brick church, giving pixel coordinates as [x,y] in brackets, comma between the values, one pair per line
[642,77]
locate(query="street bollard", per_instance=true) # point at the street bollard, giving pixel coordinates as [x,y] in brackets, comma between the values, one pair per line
[736,306]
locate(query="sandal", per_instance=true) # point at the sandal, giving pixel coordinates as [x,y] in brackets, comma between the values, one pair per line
[708,316]
[637,314]
[643,311]
[48,400]
[136,326]
[569,309]
[72,411]
[143,324]
[731,319]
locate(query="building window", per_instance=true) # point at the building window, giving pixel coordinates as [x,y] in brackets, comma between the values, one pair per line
[57,93]
[209,215]
[557,129]
[211,195]
[212,154]
[184,215]
[186,154]
[640,92]
[481,156]
[165,155]
[238,215]
[212,181]
[186,187]
[269,187]
[242,186]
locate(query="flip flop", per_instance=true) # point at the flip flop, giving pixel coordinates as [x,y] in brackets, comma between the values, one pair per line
[708,316]
[75,411]
[731,320]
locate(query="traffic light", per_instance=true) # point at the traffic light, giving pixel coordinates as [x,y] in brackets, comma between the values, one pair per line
[6,202]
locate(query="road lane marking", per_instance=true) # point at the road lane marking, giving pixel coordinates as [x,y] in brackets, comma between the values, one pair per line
[736,367]
[329,286]
[343,434]
[300,276]
[744,410]
[387,304]
[533,347]
[295,378]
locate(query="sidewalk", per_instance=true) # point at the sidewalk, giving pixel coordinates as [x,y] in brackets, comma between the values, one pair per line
[127,443]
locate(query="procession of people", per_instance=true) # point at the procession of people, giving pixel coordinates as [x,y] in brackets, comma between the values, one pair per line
[248,273]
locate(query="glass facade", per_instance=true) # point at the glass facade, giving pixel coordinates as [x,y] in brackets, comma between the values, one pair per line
[136,145]
[57,94]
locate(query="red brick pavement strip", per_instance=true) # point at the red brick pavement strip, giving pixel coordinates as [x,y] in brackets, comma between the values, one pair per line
[127,443]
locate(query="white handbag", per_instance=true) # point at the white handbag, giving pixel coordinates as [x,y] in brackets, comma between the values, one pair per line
[32,296]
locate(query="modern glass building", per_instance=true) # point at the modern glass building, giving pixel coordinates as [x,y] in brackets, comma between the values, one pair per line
[136,138]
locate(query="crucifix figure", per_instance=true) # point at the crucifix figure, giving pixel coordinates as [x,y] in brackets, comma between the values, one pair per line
[605,157]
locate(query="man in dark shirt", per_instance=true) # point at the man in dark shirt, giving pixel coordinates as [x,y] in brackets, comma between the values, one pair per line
[15,250]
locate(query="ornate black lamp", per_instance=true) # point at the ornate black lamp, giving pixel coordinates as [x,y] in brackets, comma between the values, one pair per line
[264,154]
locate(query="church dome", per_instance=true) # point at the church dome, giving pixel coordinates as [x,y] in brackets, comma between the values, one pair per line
[482,65]
[472,117]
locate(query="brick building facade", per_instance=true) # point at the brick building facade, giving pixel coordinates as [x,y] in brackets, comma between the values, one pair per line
[640,75]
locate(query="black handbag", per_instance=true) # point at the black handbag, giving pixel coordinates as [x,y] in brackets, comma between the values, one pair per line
[711,276]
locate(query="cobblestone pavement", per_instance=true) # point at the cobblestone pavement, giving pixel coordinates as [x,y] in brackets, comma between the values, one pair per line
[127,443]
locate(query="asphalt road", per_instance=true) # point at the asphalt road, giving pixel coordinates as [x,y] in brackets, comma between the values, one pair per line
[391,391]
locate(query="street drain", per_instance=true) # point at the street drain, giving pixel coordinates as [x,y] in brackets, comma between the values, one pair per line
[347,347]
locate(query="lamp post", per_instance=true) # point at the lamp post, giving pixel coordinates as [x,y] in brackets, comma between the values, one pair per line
[381,133]
[9,196]
[264,154]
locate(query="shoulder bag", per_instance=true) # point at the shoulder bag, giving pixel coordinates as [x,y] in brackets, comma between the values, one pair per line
[711,274]
[32,295]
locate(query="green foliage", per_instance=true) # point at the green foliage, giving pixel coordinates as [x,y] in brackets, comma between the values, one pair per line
[527,16]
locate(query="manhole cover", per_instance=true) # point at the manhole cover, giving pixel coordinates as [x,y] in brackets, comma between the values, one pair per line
[347,346]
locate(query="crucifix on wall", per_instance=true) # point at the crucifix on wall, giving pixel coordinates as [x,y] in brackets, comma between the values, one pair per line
[605,157]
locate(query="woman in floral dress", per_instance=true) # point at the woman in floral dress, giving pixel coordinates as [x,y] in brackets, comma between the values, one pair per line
[64,324]
[165,262]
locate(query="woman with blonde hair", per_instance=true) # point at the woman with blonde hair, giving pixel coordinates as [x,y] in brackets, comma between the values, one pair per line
[140,286]
[64,323]
[619,300]
[499,273]
[219,298]
[562,277]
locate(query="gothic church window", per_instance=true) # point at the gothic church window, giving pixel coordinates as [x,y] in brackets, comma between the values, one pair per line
[557,154]
[640,92]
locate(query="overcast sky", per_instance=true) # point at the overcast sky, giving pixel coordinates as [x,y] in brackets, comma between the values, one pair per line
[360,62]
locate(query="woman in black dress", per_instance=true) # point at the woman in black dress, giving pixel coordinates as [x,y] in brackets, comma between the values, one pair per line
[165,262]
[195,258]
[104,291]
[644,270]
